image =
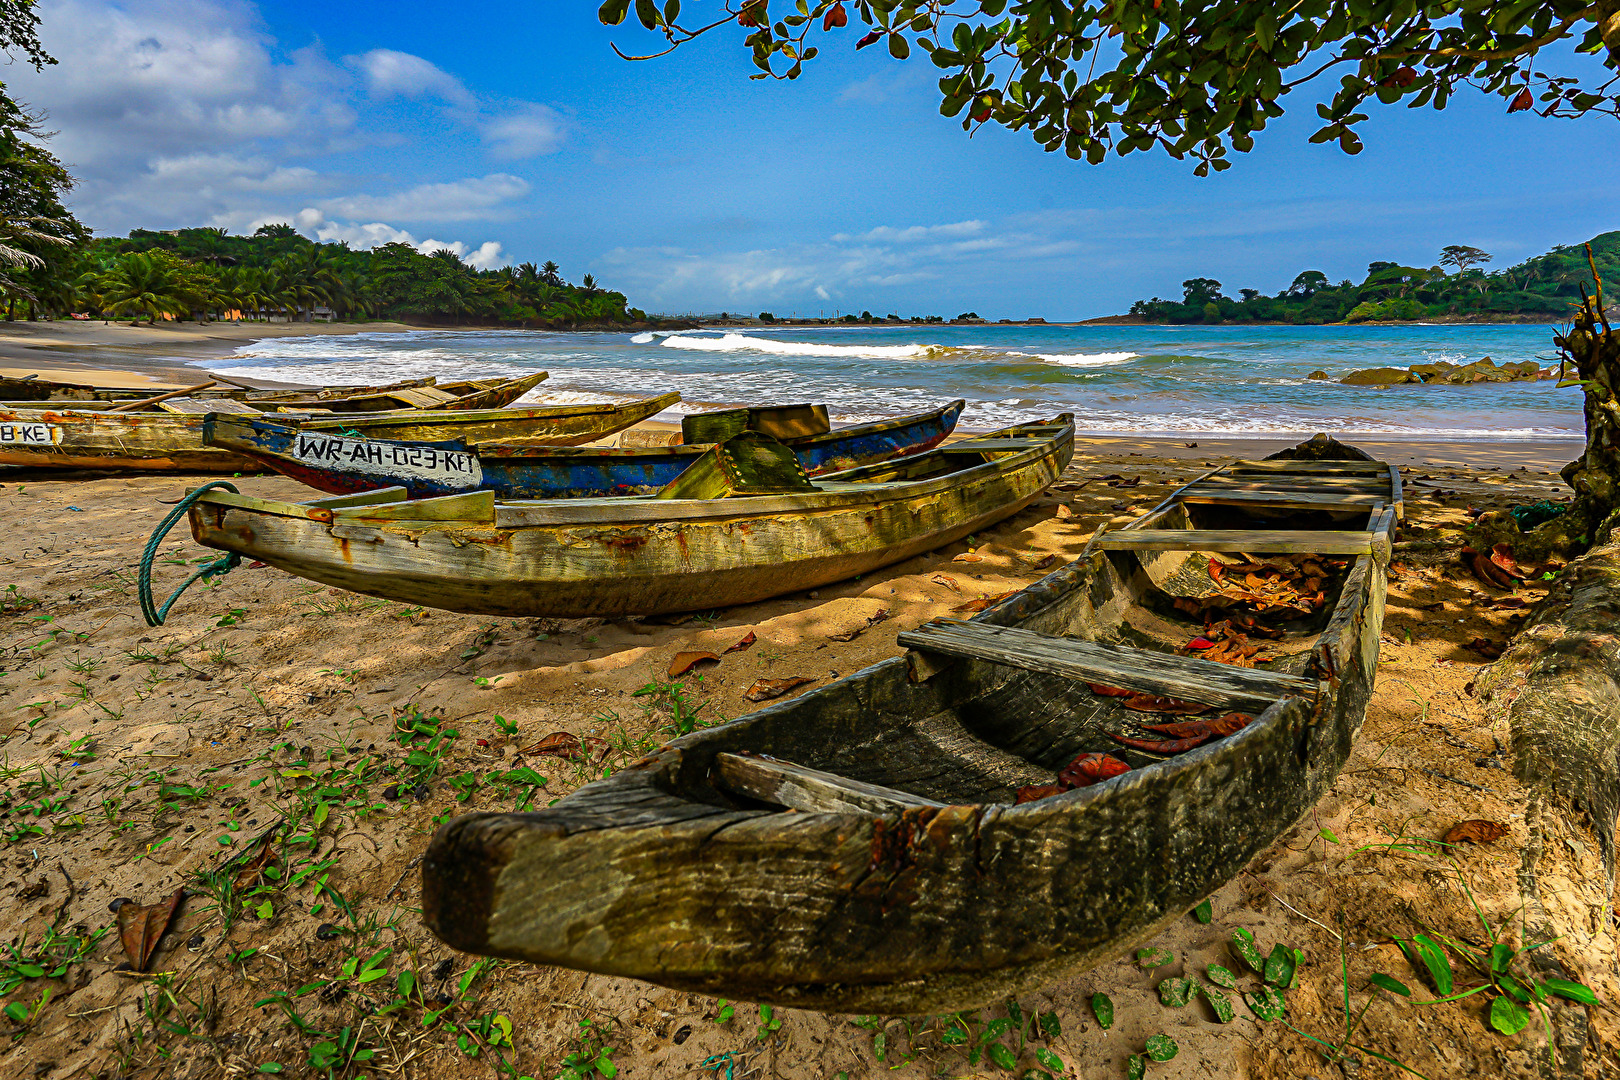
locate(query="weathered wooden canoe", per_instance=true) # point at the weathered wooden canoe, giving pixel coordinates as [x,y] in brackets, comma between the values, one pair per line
[641,555]
[77,439]
[861,849]
[408,394]
[342,465]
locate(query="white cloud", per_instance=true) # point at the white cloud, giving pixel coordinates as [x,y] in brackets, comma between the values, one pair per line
[183,112]
[388,72]
[530,131]
[920,232]
[314,222]
[457,200]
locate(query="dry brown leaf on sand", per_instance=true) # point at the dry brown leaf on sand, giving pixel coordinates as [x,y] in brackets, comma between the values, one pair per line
[968,556]
[766,689]
[558,743]
[871,621]
[1476,831]
[140,927]
[947,581]
[1485,647]
[743,643]
[1063,511]
[686,661]
[1043,562]
[981,603]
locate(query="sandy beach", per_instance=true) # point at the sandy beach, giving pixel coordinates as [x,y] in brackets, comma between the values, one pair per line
[118,354]
[162,753]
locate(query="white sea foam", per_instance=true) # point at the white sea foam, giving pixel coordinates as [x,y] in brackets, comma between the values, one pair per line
[643,339]
[1104,359]
[747,342]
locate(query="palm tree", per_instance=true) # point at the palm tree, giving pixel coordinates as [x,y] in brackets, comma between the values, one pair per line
[588,283]
[152,283]
[550,273]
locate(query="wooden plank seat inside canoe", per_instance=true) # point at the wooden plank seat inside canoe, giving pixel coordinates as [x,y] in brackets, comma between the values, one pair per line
[1181,677]
[1285,541]
[421,397]
[195,407]
[782,783]
[1215,494]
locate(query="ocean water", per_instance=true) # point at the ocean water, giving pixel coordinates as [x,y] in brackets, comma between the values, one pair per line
[1117,380]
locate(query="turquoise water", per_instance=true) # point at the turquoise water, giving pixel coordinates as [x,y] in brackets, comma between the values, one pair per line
[1125,380]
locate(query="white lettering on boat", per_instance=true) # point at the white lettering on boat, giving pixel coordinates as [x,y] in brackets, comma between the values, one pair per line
[31,434]
[401,461]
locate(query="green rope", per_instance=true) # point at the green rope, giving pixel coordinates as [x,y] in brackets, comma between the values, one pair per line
[155,616]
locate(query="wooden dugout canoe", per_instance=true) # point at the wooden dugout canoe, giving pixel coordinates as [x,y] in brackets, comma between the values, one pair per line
[637,555]
[408,394]
[341,465]
[73,439]
[858,850]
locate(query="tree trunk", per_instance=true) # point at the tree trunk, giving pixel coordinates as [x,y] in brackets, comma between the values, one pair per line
[1557,690]
[1594,351]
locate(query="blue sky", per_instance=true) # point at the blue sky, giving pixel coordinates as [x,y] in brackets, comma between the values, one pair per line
[510,132]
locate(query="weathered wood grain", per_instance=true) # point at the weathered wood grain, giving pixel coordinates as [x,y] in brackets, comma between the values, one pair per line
[1166,674]
[1283,500]
[203,406]
[782,783]
[1260,542]
[142,403]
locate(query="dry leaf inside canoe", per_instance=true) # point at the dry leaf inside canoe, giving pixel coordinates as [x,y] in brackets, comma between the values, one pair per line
[766,689]
[140,927]
[1476,831]
[686,661]
[1154,703]
[948,582]
[982,602]
[744,643]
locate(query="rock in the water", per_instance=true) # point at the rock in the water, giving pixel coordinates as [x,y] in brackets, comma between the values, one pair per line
[1379,376]
[1318,375]
[1482,370]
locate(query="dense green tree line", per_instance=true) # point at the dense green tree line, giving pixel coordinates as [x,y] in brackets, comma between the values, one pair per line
[207,273]
[1547,285]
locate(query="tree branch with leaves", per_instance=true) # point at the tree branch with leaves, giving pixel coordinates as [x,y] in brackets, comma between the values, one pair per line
[1192,80]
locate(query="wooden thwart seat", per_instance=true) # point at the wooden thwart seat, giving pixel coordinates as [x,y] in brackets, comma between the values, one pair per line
[1215,494]
[1165,674]
[196,407]
[782,783]
[1301,541]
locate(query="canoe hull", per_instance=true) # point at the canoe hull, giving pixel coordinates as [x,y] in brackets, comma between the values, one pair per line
[616,568]
[343,467]
[974,902]
[657,873]
[65,438]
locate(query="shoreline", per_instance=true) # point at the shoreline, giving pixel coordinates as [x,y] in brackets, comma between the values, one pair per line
[168,356]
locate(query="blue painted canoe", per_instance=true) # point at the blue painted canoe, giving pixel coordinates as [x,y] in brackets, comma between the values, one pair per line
[343,465]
